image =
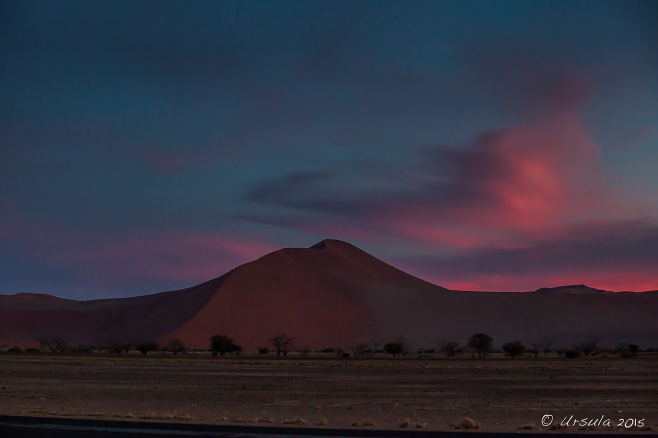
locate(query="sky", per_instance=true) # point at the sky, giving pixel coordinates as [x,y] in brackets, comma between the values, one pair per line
[480,145]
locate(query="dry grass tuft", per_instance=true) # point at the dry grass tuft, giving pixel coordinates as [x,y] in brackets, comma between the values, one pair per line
[265,419]
[404,423]
[421,425]
[321,422]
[154,416]
[294,421]
[366,422]
[469,423]
[42,412]
[529,426]
[149,416]
[240,419]
[94,414]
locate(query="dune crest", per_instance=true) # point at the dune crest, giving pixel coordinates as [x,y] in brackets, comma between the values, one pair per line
[333,294]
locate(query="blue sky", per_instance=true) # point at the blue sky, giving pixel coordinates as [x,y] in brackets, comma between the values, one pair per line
[505,145]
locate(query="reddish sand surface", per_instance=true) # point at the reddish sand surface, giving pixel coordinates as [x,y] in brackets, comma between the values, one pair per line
[500,394]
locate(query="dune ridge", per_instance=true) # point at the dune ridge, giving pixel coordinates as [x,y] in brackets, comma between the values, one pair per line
[333,294]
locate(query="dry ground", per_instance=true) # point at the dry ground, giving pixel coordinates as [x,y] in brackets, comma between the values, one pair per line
[436,394]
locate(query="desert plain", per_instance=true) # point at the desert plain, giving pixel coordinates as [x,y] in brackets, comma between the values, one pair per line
[436,393]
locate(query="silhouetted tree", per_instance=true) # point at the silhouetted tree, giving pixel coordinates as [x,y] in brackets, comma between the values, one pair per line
[587,347]
[536,348]
[117,347]
[53,344]
[282,344]
[396,347]
[450,348]
[514,349]
[546,345]
[263,350]
[628,350]
[374,346]
[360,349]
[176,346]
[393,348]
[572,354]
[146,346]
[481,343]
[560,350]
[222,344]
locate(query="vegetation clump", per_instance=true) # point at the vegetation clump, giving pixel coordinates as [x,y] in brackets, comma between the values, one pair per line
[222,344]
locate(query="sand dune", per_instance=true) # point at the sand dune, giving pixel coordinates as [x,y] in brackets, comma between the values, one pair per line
[333,295]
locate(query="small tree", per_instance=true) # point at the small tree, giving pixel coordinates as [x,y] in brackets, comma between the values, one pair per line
[176,346]
[587,347]
[546,346]
[628,350]
[360,349]
[572,354]
[53,344]
[117,347]
[263,350]
[374,345]
[481,343]
[450,348]
[222,344]
[394,348]
[146,346]
[560,350]
[282,344]
[514,349]
[536,348]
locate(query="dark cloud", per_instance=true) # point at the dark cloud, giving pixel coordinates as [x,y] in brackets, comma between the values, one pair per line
[281,190]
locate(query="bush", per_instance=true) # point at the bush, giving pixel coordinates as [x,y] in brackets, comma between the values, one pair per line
[514,349]
[176,346]
[222,344]
[263,350]
[146,346]
[481,342]
[394,348]
[15,349]
[572,354]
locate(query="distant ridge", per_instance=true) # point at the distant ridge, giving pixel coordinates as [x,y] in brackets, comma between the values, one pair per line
[572,289]
[333,294]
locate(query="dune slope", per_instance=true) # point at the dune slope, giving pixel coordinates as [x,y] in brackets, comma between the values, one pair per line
[334,295]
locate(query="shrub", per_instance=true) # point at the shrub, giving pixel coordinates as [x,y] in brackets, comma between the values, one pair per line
[572,354]
[394,348]
[222,344]
[146,346]
[282,344]
[514,349]
[481,343]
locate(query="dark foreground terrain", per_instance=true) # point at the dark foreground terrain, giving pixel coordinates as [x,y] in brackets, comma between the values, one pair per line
[500,394]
